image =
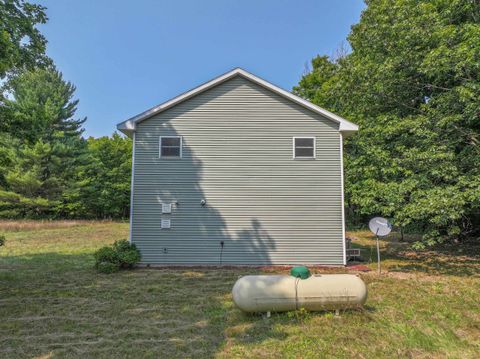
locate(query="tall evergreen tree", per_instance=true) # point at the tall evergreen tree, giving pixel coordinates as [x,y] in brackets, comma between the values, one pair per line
[46,168]
[49,141]
[26,192]
[42,107]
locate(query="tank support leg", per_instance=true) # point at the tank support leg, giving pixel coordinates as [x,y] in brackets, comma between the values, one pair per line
[268,314]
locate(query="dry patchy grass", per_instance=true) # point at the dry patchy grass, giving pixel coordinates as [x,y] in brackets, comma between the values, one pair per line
[32,225]
[453,260]
[53,304]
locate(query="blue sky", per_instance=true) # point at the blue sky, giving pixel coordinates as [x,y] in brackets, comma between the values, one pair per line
[127,56]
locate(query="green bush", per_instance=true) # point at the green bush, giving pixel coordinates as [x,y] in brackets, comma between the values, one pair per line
[107,260]
[121,255]
[128,259]
[128,254]
[123,245]
[107,267]
[2,240]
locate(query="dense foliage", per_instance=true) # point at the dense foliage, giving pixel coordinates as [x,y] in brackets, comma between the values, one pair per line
[47,169]
[412,83]
[122,255]
[102,187]
[22,46]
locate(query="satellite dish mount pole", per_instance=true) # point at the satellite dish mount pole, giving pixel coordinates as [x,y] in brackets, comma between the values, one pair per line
[379,270]
[380,227]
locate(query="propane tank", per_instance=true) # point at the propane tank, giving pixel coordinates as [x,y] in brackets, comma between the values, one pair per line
[279,293]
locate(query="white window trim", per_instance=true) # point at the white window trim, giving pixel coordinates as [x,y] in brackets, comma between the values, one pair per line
[160,147]
[314,148]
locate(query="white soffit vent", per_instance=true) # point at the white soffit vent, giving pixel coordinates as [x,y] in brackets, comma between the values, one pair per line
[166,224]
[166,208]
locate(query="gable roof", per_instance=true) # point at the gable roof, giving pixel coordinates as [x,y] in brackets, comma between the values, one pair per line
[128,126]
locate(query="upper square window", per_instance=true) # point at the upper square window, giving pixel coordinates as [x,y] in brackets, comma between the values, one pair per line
[171,147]
[304,147]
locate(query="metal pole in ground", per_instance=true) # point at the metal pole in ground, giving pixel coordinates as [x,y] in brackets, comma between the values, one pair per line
[379,270]
[380,227]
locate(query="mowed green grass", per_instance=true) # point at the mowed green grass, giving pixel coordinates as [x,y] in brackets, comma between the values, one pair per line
[53,304]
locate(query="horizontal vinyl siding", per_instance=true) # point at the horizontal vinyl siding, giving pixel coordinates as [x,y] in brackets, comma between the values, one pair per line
[267,207]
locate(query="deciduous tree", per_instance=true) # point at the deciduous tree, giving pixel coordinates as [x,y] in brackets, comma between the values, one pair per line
[412,83]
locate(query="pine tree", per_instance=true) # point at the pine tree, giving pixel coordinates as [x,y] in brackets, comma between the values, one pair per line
[48,140]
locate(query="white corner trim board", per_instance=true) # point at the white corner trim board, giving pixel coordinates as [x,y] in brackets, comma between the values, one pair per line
[132,188]
[342,203]
[128,126]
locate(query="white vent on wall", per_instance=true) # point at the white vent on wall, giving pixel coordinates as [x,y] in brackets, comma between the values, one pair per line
[166,208]
[165,224]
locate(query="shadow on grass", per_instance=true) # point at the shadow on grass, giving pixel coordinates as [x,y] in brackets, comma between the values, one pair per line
[57,303]
[46,261]
[254,328]
[399,257]
[369,308]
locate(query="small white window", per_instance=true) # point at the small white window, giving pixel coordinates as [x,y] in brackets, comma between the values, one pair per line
[171,147]
[166,208]
[304,147]
[165,224]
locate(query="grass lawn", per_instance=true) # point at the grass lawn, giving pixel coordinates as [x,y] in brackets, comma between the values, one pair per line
[53,304]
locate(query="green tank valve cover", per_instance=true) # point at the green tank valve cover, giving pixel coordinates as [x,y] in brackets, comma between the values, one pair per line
[300,272]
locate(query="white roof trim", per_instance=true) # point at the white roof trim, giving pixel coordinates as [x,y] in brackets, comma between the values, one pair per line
[129,125]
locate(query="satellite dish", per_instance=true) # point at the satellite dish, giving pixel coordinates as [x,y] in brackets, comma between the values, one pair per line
[380,226]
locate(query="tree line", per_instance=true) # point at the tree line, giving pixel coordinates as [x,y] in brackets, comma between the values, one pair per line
[410,78]
[411,81]
[47,168]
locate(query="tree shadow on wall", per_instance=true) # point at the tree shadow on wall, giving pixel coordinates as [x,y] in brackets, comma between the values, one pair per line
[199,233]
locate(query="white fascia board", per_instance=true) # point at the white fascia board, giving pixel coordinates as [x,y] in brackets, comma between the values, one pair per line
[129,125]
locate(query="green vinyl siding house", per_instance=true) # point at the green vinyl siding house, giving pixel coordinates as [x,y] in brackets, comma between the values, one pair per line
[238,172]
